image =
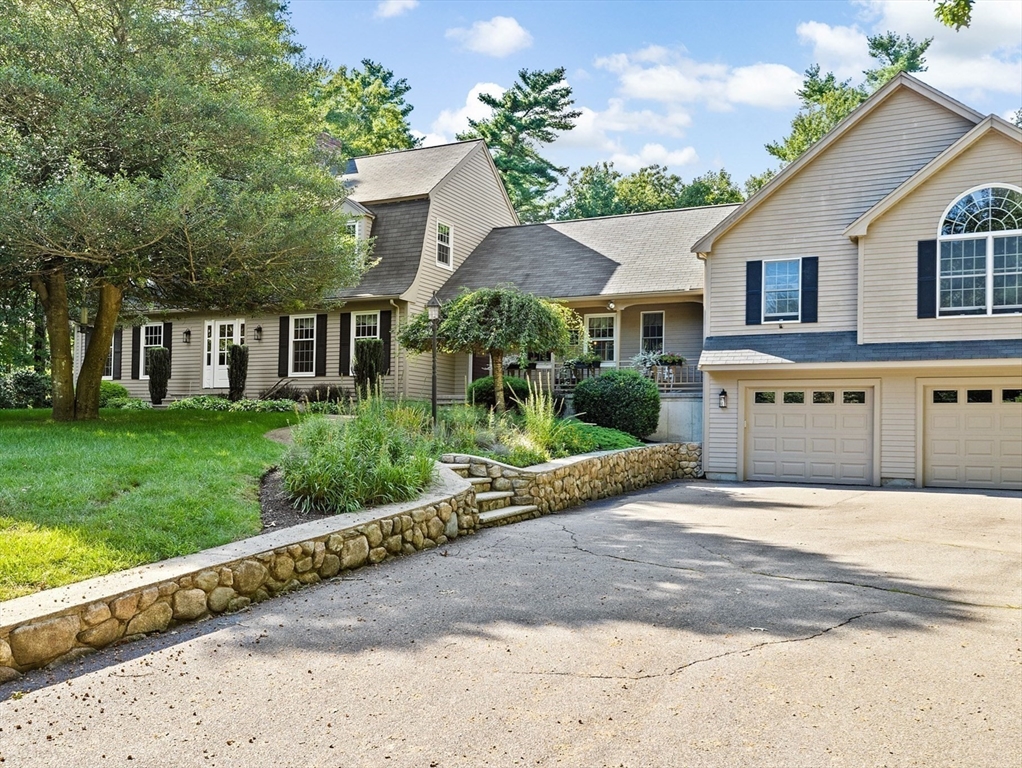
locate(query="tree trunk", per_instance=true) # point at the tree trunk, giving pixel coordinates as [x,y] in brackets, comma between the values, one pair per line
[91,374]
[38,337]
[497,364]
[51,288]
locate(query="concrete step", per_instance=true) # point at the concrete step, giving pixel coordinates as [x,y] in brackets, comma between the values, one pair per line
[481,484]
[490,500]
[461,469]
[507,515]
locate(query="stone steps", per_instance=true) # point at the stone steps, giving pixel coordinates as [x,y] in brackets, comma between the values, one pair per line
[461,469]
[506,515]
[491,500]
[481,484]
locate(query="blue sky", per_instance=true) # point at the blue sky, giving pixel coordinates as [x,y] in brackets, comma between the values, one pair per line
[691,85]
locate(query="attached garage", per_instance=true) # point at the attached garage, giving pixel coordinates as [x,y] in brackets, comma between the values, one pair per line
[972,435]
[821,433]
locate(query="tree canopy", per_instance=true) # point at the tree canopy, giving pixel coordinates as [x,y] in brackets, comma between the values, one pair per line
[954,13]
[826,101]
[526,117]
[366,110]
[160,153]
[599,190]
[495,322]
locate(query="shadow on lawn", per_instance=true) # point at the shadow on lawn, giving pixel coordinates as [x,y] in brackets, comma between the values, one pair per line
[593,566]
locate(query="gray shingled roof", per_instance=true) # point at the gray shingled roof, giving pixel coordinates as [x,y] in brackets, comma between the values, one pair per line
[395,175]
[399,229]
[841,347]
[637,253]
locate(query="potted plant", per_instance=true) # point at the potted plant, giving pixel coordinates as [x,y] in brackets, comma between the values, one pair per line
[670,358]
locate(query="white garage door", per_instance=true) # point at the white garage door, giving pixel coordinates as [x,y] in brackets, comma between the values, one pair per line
[818,434]
[973,436]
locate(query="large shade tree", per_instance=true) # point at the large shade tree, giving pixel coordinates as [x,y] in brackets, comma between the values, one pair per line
[159,154]
[495,322]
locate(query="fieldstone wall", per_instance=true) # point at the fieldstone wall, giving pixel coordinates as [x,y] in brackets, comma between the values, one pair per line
[83,627]
[574,480]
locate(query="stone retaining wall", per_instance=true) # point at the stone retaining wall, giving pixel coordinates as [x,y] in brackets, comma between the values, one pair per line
[65,623]
[97,612]
[568,482]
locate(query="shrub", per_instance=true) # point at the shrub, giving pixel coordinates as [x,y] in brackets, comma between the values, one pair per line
[480,391]
[25,389]
[623,400]
[368,364]
[323,393]
[378,457]
[109,390]
[283,391]
[158,365]
[237,371]
[600,438]
[128,404]
[201,403]
[264,406]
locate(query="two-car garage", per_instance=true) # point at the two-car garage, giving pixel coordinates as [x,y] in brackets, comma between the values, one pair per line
[968,432]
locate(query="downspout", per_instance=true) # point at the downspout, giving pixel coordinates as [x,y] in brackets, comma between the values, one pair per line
[395,334]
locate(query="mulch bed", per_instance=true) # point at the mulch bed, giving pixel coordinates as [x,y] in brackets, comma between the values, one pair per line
[276,509]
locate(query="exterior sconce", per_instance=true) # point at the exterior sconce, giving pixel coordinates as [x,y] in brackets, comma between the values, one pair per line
[257,332]
[723,398]
[186,336]
[610,305]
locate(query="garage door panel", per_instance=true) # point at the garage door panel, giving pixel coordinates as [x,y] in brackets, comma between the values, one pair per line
[804,436]
[972,444]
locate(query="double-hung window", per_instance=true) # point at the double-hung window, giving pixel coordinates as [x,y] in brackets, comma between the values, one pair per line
[979,264]
[364,325]
[108,366]
[303,345]
[444,243]
[602,336]
[652,332]
[782,287]
[152,336]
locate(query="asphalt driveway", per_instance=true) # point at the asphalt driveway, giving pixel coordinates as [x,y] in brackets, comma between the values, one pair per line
[695,624]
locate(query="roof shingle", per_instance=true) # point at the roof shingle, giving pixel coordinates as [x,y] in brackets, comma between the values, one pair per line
[398,175]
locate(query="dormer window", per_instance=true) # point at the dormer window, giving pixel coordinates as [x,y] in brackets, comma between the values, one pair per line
[353,228]
[979,269]
[443,244]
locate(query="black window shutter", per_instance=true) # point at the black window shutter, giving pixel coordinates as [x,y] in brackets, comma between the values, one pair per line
[385,338]
[136,350]
[321,345]
[115,364]
[754,293]
[926,287]
[810,287]
[345,343]
[168,340]
[285,341]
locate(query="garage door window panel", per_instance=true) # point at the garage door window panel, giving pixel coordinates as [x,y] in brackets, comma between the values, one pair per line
[823,398]
[979,396]
[1011,395]
[857,397]
[945,396]
[794,398]
[765,398]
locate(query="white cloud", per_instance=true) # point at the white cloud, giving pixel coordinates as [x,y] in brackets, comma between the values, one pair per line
[451,122]
[389,8]
[653,154]
[841,50]
[1009,115]
[499,37]
[658,74]
[983,58]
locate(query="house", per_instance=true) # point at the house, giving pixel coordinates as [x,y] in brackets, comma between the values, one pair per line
[864,309]
[427,209]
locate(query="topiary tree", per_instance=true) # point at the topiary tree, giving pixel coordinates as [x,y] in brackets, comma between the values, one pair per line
[623,400]
[495,322]
[237,371]
[368,365]
[158,365]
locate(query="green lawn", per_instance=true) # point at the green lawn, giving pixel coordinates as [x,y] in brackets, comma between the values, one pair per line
[81,500]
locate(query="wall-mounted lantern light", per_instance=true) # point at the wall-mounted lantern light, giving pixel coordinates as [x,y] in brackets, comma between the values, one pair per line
[258,333]
[610,305]
[186,336]
[723,398]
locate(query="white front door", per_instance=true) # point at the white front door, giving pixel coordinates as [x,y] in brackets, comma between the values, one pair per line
[220,335]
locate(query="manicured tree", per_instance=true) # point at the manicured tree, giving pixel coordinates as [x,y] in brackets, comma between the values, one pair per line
[368,365]
[495,322]
[237,371]
[158,365]
[160,153]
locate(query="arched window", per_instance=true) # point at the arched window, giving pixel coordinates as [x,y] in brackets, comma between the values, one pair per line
[980,248]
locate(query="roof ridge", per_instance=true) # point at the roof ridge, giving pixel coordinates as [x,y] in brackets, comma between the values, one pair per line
[417,149]
[621,215]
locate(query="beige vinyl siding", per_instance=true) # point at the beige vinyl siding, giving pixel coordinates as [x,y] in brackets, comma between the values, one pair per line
[471,201]
[889,249]
[807,215]
[683,329]
[895,396]
[720,425]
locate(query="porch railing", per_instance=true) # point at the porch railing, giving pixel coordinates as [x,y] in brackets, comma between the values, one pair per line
[669,378]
